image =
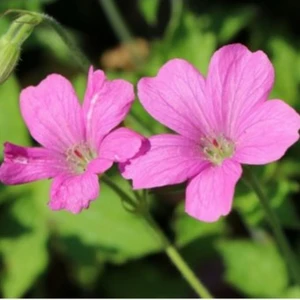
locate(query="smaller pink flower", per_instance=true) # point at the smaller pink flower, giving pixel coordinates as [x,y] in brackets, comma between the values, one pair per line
[221,122]
[78,142]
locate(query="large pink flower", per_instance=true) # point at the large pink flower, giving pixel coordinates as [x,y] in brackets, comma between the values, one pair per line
[221,122]
[77,141]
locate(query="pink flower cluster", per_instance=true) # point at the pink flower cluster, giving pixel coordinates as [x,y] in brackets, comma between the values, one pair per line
[219,123]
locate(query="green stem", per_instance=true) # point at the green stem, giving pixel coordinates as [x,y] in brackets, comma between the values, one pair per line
[289,256]
[176,11]
[78,55]
[179,262]
[123,195]
[170,250]
[136,118]
[116,21]
[121,29]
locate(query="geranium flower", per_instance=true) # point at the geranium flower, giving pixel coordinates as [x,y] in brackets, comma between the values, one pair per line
[221,122]
[77,142]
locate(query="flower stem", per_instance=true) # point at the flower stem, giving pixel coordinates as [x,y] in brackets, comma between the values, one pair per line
[170,250]
[289,256]
[116,21]
[121,29]
[178,261]
[123,195]
[176,12]
[78,55]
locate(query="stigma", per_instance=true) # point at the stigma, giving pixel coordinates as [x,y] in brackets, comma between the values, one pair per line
[78,157]
[216,149]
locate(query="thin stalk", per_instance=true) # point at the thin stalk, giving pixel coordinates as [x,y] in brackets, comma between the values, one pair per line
[178,261]
[288,254]
[176,11]
[123,195]
[78,55]
[170,250]
[116,21]
[121,29]
[135,117]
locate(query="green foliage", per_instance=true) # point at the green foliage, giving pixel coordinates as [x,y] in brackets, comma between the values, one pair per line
[23,245]
[188,229]
[149,10]
[279,192]
[257,269]
[114,233]
[12,127]
[292,292]
[285,57]
[34,5]
[230,23]
[142,279]
[106,251]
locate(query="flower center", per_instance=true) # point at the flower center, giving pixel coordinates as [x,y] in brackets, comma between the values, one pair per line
[217,149]
[79,157]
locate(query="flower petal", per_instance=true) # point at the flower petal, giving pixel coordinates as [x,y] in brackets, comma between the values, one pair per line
[23,165]
[121,145]
[74,192]
[106,103]
[53,114]
[176,98]
[268,133]
[171,159]
[238,80]
[209,195]
[99,165]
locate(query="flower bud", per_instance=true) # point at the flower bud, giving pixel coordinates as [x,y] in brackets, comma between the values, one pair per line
[12,40]
[9,56]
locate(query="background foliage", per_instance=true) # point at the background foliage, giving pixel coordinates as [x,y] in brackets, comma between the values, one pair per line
[105,251]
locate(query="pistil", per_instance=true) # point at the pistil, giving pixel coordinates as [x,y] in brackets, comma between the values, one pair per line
[217,149]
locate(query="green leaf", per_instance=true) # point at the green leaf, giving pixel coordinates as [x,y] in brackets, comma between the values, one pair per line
[233,21]
[256,269]
[12,127]
[85,262]
[79,84]
[193,34]
[144,279]
[149,10]
[291,292]
[33,5]
[24,241]
[117,234]
[278,192]
[284,58]
[188,229]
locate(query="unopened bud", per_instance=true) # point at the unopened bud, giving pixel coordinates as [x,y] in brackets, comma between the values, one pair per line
[9,56]
[12,40]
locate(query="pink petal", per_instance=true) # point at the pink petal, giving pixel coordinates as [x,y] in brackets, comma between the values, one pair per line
[121,145]
[106,104]
[74,192]
[238,80]
[176,98]
[53,114]
[209,195]
[99,165]
[171,159]
[268,133]
[23,165]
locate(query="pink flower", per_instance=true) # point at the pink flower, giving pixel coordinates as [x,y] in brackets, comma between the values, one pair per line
[77,141]
[221,122]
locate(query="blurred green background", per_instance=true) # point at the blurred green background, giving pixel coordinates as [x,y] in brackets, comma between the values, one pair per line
[105,251]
